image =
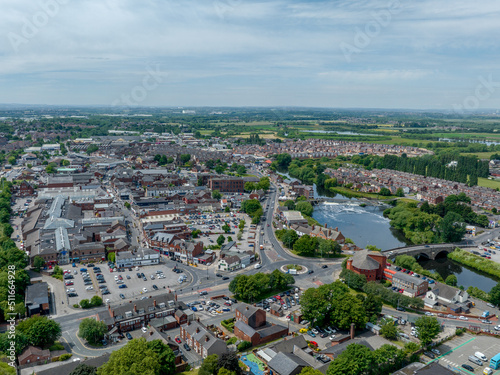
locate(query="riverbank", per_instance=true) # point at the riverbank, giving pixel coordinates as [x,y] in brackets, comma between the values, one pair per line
[475,262]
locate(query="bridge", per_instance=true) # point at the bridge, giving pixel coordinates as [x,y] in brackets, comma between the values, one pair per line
[431,251]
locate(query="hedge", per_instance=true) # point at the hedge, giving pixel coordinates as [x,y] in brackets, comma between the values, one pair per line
[244,345]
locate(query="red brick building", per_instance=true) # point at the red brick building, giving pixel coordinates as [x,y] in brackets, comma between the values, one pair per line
[368,263]
[33,355]
[251,326]
[227,185]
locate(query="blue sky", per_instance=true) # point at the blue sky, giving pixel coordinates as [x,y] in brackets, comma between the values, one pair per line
[372,54]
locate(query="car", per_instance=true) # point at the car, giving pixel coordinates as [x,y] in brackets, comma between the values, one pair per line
[468,367]
[310,271]
[429,313]
[186,346]
[449,316]
[400,309]
[430,355]
[123,286]
[104,343]
[144,290]
[129,336]
[152,277]
[314,330]
[68,283]
[435,351]
[144,278]
[311,333]
[128,277]
[203,293]
[178,340]
[461,317]
[324,266]
[490,305]
[91,265]
[89,288]
[155,287]
[122,296]
[225,278]
[83,270]
[497,328]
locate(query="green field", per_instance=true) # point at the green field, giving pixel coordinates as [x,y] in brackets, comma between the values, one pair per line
[480,155]
[493,184]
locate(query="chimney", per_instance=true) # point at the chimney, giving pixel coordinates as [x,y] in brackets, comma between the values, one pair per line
[336,229]
[247,308]
[352,331]
[135,308]
[150,333]
[197,329]
[326,225]
[207,338]
[154,303]
[314,226]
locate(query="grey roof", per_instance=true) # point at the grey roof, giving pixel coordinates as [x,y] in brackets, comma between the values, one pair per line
[362,261]
[337,349]
[446,291]
[37,294]
[411,279]
[287,364]
[246,309]
[245,328]
[288,345]
[270,330]
[66,368]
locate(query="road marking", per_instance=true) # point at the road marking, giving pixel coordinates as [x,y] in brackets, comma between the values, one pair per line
[452,350]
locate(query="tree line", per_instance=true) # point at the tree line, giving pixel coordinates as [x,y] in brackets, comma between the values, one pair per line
[251,288]
[307,245]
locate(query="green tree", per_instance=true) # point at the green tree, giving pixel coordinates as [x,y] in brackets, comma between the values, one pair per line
[241,225]
[91,149]
[283,160]
[209,365]
[111,257]
[373,306]
[223,371]
[65,163]
[220,240]
[216,194]
[305,208]
[244,345]
[84,369]
[495,295]
[134,358]
[400,192]
[355,360]
[96,301]
[306,245]
[290,204]
[51,168]
[250,186]
[452,227]
[353,279]
[428,329]
[184,158]
[6,369]
[385,192]
[226,228]
[389,331]
[251,206]
[40,330]
[264,183]
[451,280]
[372,248]
[289,238]
[166,356]
[310,371]
[229,361]
[38,262]
[127,205]
[92,330]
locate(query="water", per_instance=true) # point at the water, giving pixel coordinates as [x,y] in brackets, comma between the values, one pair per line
[364,225]
[465,276]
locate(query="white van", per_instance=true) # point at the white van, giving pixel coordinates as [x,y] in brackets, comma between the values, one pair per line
[257,266]
[481,356]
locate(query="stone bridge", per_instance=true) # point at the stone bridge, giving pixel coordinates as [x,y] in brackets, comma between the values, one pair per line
[431,251]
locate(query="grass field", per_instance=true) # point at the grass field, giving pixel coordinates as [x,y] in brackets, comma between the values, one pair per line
[494,184]
[480,155]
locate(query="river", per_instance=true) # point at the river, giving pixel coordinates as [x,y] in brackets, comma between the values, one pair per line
[465,276]
[364,225]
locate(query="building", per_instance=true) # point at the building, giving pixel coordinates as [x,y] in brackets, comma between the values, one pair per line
[227,185]
[453,299]
[201,340]
[368,263]
[37,299]
[412,286]
[251,326]
[293,217]
[33,355]
[141,257]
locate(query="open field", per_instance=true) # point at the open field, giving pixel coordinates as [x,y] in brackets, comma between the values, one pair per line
[494,184]
[480,155]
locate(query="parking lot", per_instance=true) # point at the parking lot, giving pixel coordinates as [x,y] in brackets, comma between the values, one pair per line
[134,286]
[456,352]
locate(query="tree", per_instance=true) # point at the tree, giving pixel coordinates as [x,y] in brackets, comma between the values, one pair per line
[92,330]
[209,365]
[355,360]
[373,306]
[111,257]
[451,280]
[372,248]
[84,369]
[452,227]
[305,208]
[91,149]
[220,240]
[216,194]
[65,163]
[250,186]
[6,369]
[40,330]
[495,295]
[428,329]
[220,169]
[127,205]
[241,225]
[251,206]
[134,358]
[166,356]
[223,371]
[96,301]
[229,361]
[227,209]
[289,238]
[283,160]
[400,192]
[353,279]
[290,204]
[184,158]
[226,228]
[242,346]
[264,183]
[306,245]
[51,168]
[38,262]
[385,192]
[389,331]
[310,371]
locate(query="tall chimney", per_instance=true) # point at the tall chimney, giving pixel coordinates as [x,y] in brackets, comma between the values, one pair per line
[135,308]
[352,331]
[326,225]
[150,333]
[314,226]
[197,329]
[207,338]
[154,303]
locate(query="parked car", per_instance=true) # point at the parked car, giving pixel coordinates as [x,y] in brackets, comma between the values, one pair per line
[468,367]
[186,346]
[122,296]
[129,336]
[178,340]
[430,355]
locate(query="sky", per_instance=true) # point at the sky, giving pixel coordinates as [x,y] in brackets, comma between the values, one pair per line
[422,54]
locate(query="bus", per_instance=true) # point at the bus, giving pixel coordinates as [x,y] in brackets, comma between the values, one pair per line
[495,362]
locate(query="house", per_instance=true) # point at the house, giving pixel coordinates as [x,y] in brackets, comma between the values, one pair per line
[454,299]
[318,231]
[33,355]
[201,340]
[412,286]
[251,325]
[26,189]
[141,257]
[66,368]
[293,217]
[368,263]
[37,299]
